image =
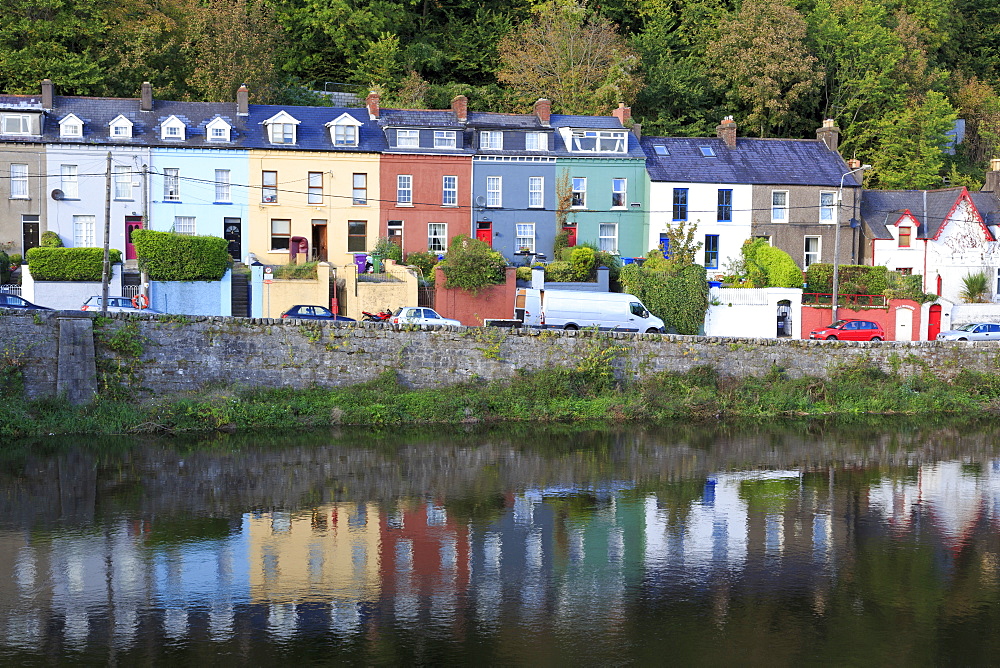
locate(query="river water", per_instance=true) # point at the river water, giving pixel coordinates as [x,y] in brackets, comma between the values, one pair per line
[791,544]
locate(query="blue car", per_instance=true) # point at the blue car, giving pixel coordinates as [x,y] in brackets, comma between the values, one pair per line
[13,301]
[307,312]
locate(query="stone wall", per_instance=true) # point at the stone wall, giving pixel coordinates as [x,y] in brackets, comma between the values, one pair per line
[187,353]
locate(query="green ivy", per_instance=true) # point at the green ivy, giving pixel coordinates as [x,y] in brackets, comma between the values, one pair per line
[167,256]
[680,298]
[69,264]
[861,279]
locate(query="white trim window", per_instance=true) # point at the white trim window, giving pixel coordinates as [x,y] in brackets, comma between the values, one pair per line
[314,194]
[407,138]
[619,193]
[223,192]
[71,127]
[282,128]
[779,206]
[536,141]
[608,237]
[491,140]
[578,194]
[120,128]
[171,184]
[359,189]
[218,130]
[826,206]
[437,237]
[172,128]
[18,181]
[597,141]
[449,191]
[123,182]
[16,124]
[494,196]
[69,181]
[84,231]
[445,139]
[536,192]
[525,241]
[811,250]
[345,135]
[184,225]
[269,187]
[404,190]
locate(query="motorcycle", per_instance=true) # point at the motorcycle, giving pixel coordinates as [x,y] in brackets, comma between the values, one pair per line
[381,316]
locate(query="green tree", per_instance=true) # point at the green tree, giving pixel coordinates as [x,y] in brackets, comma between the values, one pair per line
[571,56]
[910,149]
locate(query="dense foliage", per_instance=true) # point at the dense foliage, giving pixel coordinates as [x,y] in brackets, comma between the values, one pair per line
[167,256]
[678,295]
[762,265]
[893,75]
[472,265]
[855,279]
[69,264]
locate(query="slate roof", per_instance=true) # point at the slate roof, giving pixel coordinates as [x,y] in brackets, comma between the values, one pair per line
[485,120]
[311,133]
[880,208]
[988,204]
[9,102]
[419,118]
[792,162]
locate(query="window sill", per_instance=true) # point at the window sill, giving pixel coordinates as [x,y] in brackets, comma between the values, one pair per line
[22,199]
[449,206]
[172,201]
[268,203]
[404,205]
[123,199]
[619,208]
[224,203]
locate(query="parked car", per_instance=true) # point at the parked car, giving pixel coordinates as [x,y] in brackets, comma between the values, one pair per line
[974,331]
[117,305]
[308,312]
[419,315]
[850,330]
[13,301]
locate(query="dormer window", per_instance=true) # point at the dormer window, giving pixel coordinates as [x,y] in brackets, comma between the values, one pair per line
[71,127]
[121,128]
[599,141]
[491,139]
[15,124]
[905,236]
[172,128]
[536,141]
[218,130]
[407,138]
[444,139]
[344,130]
[281,128]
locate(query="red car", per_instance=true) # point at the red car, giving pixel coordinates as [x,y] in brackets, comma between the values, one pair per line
[850,330]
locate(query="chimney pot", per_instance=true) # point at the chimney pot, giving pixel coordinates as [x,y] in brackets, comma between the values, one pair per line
[146,97]
[829,134]
[460,105]
[48,93]
[854,163]
[543,111]
[622,113]
[726,131]
[243,101]
[372,103]
[992,183]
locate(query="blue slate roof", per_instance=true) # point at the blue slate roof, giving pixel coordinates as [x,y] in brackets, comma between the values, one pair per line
[312,133]
[589,122]
[792,162]
[419,118]
[488,120]
[880,208]
[988,204]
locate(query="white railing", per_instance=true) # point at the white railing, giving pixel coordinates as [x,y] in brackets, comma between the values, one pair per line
[11,289]
[740,296]
[131,290]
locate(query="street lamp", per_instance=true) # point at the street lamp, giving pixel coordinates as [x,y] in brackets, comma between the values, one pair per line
[836,242]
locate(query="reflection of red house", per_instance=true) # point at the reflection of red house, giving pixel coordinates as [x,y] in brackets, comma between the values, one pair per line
[423,552]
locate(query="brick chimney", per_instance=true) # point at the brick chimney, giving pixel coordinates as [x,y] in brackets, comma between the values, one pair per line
[48,93]
[372,103]
[543,111]
[146,97]
[460,105]
[726,131]
[993,177]
[829,134]
[622,113]
[243,101]
[853,164]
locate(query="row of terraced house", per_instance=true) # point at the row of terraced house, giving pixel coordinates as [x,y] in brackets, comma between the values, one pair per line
[330,181]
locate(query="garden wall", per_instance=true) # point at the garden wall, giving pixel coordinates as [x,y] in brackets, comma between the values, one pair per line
[495,302]
[67,295]
[193,297]
[903,320]
[183,354]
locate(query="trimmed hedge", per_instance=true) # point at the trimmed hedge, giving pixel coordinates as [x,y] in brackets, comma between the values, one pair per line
[854,279]
[69,264]
[167,256]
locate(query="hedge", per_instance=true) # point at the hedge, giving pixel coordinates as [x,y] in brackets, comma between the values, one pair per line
[854,279]
[167,256]
[69,264]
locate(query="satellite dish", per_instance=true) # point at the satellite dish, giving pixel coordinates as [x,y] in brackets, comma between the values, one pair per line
[480,201]
[58,194]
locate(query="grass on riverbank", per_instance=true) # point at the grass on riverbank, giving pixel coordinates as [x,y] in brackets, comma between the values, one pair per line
[552,395]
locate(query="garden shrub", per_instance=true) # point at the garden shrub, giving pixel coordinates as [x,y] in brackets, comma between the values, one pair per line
[388,250]
[524,274]
[51,239]
[861,278]
[425,261]
[582,260]
[559,271]
[472,265]
[680,299]
[780,270]
[167,256]
[5,263]
[69,264]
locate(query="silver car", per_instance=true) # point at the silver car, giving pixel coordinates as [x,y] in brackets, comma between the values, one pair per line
[116,305]
[419,315]
[974,331]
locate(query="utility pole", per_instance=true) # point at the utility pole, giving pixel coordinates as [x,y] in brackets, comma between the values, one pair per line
[106,273]
[836,241]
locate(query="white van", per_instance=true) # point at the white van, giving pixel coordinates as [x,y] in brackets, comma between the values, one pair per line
[576,309]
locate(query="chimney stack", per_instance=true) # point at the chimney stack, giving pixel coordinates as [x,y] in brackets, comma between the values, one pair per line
[146,98]
[637,130]
[853,164]
[48,93]
[829,134]
[726,131]
[372,103]
[993,177]
[543,111]
[243,101]
[622,113]
[460,105]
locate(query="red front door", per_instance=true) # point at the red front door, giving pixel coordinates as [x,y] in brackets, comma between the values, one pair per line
[934,322]
[132,223]
[484,232]
[571,235]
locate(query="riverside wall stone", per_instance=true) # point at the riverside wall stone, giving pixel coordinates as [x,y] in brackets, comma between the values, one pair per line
[187,353]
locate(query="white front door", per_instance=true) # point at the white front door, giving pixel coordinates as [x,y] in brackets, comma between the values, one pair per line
[904,324]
